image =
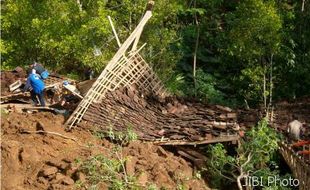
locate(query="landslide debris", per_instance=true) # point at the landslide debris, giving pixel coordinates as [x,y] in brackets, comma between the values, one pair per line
[46,161]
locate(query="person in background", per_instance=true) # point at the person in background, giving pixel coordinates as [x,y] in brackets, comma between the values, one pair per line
[88,73]
[295,129]
[36,87]
[40,70]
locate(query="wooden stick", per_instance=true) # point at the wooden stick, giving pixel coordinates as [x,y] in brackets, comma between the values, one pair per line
[114,31]
[50,132]
[207,141]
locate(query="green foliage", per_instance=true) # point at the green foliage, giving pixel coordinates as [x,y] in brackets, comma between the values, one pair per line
[254,156]
[122,137]
[236,42]
[206,88]
[109,170]
[254,30]
[64,37]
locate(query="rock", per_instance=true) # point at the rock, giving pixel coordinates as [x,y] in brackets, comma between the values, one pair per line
[40,126]
[29,154]
[59,164]
[81,176]
[49,171]
[164,111]
[58,177]
[71,168]
[67,181]
[143,179]
[142,162]
[56,187]
[130,165]
[43,181]
[161,132]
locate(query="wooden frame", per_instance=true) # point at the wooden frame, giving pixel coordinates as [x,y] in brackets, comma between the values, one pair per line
[123,69]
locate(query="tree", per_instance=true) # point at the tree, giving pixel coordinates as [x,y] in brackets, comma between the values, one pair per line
[69,35]
[254,156]
[255,38]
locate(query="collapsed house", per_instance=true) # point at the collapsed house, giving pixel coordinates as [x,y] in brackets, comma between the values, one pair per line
[129,94]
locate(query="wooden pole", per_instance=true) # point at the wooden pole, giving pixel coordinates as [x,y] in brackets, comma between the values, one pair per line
[114,32]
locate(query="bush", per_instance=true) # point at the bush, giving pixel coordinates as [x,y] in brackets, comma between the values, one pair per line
[253,157]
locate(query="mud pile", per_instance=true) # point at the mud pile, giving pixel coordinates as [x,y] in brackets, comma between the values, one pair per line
[9,77]
[46,161]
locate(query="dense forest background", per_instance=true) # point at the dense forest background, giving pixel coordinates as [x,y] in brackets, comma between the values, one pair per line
[238,53]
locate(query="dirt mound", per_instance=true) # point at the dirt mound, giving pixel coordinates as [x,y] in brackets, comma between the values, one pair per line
[41,160]
[9,77]
[154,164]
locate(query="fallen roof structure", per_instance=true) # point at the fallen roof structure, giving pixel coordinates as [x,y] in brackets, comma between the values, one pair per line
[128,92]
[127,67]
[165,121]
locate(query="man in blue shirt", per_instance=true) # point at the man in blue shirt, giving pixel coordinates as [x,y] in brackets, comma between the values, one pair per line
[34,81]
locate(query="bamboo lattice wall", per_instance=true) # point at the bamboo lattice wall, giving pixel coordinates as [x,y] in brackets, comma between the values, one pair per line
[298,165]
[126,71]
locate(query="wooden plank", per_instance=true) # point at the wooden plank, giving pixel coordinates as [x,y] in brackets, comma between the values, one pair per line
[182,153]
[114,32]
[21,107]
[206,141]
[132,37]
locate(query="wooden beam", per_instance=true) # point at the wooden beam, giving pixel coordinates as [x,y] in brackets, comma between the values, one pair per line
[114,32]
[132,37]
[206,141]
[135,43]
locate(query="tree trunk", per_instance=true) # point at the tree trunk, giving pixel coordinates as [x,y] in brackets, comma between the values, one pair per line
[303,6]
[271,81]
[195,55]
[196,49]
[239,182]
[264,88]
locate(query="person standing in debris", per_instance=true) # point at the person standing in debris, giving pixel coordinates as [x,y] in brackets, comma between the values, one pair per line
[37,86]
[294,129]
[40,70]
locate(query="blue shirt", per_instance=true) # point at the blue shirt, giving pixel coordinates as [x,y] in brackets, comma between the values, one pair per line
[36,83]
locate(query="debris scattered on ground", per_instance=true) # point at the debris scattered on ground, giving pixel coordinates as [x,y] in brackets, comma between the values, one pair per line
[42,161]
[157,119]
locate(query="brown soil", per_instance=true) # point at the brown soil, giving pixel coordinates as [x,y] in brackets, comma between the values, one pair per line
[45,161]
[9,77]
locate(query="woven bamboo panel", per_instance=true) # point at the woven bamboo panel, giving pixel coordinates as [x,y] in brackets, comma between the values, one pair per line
[126,71]
[298,165]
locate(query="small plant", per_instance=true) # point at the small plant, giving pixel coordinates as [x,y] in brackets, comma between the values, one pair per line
[254,155]
[110,169]
[100,168]
[152,187]
[122,137]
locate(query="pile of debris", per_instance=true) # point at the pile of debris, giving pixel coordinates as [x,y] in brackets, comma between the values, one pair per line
[12,83]
[10,77]
[48,161]
[164,119]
